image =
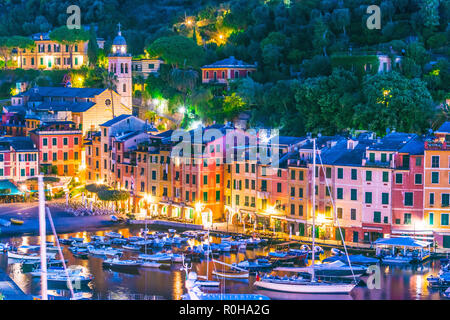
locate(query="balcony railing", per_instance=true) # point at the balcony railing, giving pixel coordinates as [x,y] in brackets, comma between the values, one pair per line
[429,145]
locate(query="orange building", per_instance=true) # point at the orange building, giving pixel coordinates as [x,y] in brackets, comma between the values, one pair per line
[437,185]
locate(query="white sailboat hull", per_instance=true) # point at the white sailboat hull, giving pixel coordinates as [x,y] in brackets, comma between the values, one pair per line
[227,275]
[308,287]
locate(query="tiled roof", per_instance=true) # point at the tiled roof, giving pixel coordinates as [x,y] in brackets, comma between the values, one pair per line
[115,120]
[62,92]
[64,106]
[230,62]
[19,143]
[393,141]
[445,127]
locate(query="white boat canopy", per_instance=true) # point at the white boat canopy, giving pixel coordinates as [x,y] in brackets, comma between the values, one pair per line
[402,242]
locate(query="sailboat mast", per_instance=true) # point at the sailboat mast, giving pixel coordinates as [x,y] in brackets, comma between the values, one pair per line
[207,259]
[42,235]
[313,209]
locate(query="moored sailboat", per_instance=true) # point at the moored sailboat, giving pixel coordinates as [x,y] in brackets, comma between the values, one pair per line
[305,284]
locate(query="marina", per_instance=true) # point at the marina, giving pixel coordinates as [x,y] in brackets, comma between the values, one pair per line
[158,274]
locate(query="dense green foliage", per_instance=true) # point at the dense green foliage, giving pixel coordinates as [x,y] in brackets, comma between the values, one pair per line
[317,60]
[113,195]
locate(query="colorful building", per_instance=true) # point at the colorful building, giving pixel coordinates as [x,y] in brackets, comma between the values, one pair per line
[226,70]
[437,185]
[18,159]
[60,147]
[48,54]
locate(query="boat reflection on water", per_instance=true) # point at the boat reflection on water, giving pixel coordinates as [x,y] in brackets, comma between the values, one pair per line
[397,282]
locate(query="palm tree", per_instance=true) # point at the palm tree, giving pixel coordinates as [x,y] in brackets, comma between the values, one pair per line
[109,80]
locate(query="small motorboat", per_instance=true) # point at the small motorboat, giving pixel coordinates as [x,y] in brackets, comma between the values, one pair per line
[157,257]
[81,255]
[150,264]
[66,241]
[76,239]
[28,257]
[135,239]
[194,293]
[336,252]
[128,265]
[109,252]
[118,241]
[442,280]
[131,247]
[231,274]
[113,234]
[16,221]
[207,283]
[254,264]
[62,279]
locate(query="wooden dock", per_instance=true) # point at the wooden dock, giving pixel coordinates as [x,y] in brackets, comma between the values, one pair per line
[9,290]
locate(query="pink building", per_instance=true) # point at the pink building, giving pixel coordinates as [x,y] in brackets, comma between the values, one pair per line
[407,189]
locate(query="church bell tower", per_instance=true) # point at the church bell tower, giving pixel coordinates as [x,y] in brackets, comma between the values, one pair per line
[119,63]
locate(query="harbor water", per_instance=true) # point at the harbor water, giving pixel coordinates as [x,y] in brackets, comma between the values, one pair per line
[397,282]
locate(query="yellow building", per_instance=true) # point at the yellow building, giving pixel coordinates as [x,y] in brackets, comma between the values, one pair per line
[48,54]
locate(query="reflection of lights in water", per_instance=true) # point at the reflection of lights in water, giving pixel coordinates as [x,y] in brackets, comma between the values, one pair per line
[177,286]
[419,283]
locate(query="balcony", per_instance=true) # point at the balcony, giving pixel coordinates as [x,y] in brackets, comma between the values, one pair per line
[377,164]
[430,145]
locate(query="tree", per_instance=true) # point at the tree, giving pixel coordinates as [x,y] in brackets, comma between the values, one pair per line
[430,12]
[92,48]
[20,43]
[69,37]
[389,100]
[320,36]
[341,18]
[326,102]
[109,80]
[5,50]
[184,80]
[177,50]
[233,105]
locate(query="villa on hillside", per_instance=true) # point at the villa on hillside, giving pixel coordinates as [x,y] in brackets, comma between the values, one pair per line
[225,70]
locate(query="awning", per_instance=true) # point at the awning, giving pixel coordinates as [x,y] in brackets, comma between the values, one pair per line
[412,232]
[373,228]
[402,242]
[7,188]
